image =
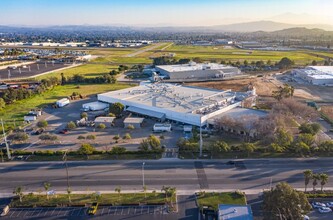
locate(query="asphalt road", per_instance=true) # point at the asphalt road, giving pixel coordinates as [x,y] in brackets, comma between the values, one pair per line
[185,175]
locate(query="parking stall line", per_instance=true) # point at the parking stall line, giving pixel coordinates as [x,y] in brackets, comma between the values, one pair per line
[129,209]
[13,211]
[82,212]
[53,211]
[71,213]
[122,210]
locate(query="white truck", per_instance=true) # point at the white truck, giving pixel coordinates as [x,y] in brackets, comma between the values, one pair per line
[95,106]
[162,127]
[62,102]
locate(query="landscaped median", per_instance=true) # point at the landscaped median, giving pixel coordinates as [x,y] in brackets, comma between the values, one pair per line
[213,199]
[167,198]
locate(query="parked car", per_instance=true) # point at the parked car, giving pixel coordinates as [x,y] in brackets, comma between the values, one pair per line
[63,131]
[93,209]
[329,204]
[38,132]
[316,205]
[324,210]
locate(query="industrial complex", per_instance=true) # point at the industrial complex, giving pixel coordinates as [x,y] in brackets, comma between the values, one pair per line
[317,75]
[194,70]
[178,103]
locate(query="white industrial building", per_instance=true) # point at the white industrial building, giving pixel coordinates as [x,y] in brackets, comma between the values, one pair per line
[194,70]
[317,75]
[184,104]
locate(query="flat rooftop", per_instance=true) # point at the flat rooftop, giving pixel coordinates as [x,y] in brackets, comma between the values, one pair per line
[319,72]
[235,212]
[174,97]
[192,66]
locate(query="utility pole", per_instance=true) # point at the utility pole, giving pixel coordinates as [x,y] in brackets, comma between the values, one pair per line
[64,158]
[5,138]
[200,142]
[143,174]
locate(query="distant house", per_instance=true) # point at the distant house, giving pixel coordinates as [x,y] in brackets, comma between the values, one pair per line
[235,212]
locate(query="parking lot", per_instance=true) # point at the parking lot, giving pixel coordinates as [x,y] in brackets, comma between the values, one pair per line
[58,118]
[31,70]
[81,212]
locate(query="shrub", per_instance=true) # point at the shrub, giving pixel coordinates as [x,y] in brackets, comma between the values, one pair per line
[112,115]
[48,137]
[81,137]
[131,127]
[116,137]
[86,149]
[71,125]
[84,115]
[19,136]
[101,126]
[127,136]
[91,137]
[118,150]
[42,124]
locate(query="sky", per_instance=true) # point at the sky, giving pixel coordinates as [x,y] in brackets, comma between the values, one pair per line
[163,12]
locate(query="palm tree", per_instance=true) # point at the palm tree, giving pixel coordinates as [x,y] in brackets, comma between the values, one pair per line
[315,178]
[69,191]
[118,190]
[307,177]
[323,180]
[165,189]
[19,192]
[145,190]
[47,186]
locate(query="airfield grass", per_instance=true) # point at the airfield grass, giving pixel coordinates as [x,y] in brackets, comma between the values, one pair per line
[232,54]
[35,200]
[17,110]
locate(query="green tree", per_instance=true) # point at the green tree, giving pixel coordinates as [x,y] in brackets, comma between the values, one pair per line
[273,147]
[19,136]
[283,138]
[63,79]
[18,191]
[117,108]
[2,103]
[284,202]
[315,179]
[301,148]
[86,149]
[127,136]
[219,147]
[71,125]
[246,63]
[326,146]
[283,92]
[309,128]
[144,145]
[118,150]
[307,177]
[154,142]
[308,139]
[1,154]
[285,63]
[248,148]
[314,63]
[47,187]
[323,180]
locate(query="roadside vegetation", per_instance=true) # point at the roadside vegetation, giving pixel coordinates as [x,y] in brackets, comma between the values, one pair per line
[213,199]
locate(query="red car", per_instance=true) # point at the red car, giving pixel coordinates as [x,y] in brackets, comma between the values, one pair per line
[63,131]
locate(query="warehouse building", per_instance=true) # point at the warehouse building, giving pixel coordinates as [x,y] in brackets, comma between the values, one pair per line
[194,70]
[184,104]
[316,75]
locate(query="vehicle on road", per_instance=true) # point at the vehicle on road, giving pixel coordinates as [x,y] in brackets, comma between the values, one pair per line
[5,211]
[317,205]
[324,210]
[93,209]
[63,131]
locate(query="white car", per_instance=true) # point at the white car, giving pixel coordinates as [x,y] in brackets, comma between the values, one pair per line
[316,205]
[324,210]
[329,204]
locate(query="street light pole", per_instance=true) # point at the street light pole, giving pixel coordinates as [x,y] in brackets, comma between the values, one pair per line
[5,138]
[143,174]
[65,160]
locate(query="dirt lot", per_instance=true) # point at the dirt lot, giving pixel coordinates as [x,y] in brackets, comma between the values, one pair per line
[266,85]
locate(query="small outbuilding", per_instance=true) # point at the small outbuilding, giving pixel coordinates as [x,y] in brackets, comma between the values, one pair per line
[235,212]
[136,122]
[107,121]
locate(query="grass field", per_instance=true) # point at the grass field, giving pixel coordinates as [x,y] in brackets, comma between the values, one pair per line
[82,199]
[214,199]
[220,53]
[17,110]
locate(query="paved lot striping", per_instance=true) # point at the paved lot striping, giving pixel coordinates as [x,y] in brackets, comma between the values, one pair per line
[27,213]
